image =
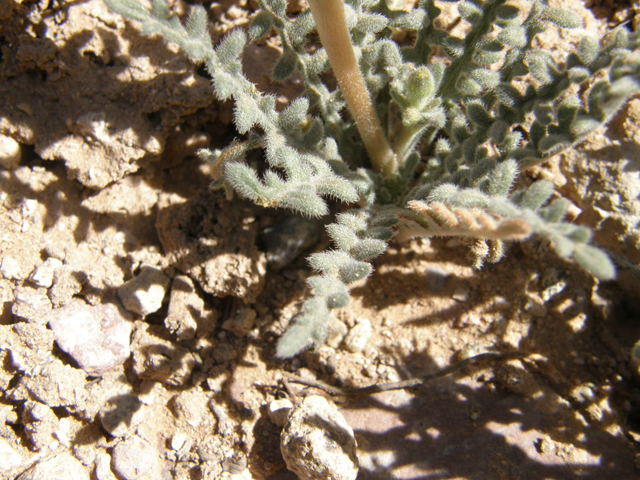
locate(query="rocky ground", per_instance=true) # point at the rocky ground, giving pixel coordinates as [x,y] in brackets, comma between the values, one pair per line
[139,310]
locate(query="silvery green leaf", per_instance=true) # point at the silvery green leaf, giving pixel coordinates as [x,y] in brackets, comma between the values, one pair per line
[513,36]
[410,21]
[507,12]
[285,66]
[337,188]
[501,178]
[562,18]
[555,211]
[478,114]
[368,248]
[261,26]
[294,114]
[595,261]
[354,271]
[197,25]
[129,8]
[344,237]
[579,74]
[303,25]
[468,87]
[587,50]
[470,12]
[305,201]
[537,195]
[231,47]
[485,77]
[453,46]
[554,143]
[371,23]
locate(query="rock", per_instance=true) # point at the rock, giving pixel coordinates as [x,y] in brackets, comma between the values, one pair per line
[336,331]
[144,293]
[10,269]
[103,467]
[121,414]
[287,239]
[9,457]
[317,443]
[59,467]
[136,459]
[10,153]
[358,336]
[436,279]
[54,384]
[461,294]
[279,411]
[191,407]
[213,241]
[185,308]
[40,424]
[224,353]
[157,358]
[43,274]
[29,346]
[178,441]
[95,337]
[242,323]
[32,305]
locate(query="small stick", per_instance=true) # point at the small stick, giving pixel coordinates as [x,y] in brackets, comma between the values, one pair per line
[411,383]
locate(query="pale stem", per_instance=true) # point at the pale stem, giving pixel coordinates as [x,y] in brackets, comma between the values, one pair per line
[332,27]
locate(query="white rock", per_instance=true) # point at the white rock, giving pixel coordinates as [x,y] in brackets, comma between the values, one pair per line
[336,332]
[103,467]
[279,410]
[358,336]
[43,274]
[317,443]
[9,457]
[135,459]
[10,268]
[61,467]
[178,441]
[144,294]
[10,153]
[97,337]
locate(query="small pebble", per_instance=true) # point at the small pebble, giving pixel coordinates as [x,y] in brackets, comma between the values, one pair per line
[10,269]
[279,410]
[178,441]
[461,294]
[358,336]
[97,337]
[103,467]
[144,293]
[43,274]
[336,331]
[184,308]
[9,456]
[10,153]
[436,279]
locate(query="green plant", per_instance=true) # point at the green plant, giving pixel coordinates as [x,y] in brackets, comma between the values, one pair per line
[437,133]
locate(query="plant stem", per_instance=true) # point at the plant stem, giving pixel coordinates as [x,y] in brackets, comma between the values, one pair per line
[331,23]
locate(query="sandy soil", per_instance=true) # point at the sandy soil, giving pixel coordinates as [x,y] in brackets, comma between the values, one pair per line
[139,311]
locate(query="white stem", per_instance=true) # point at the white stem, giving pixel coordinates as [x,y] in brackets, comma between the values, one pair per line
[332,27]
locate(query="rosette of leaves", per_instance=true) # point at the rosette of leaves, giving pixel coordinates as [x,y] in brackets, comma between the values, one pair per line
[421,138]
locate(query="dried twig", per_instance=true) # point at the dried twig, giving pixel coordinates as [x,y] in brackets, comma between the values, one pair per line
[411,383]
